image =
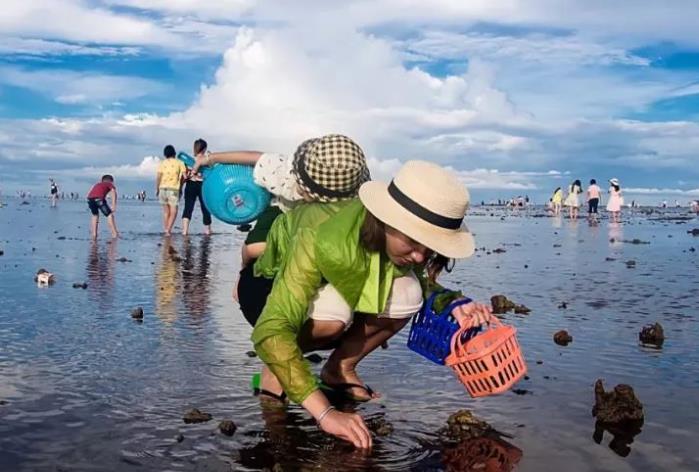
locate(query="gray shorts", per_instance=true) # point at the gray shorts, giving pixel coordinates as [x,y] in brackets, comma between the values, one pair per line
[169,196]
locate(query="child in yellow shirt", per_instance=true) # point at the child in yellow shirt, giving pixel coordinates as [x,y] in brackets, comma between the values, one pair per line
[171,173]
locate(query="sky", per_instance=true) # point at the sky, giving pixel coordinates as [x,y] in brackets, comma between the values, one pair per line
[516,97]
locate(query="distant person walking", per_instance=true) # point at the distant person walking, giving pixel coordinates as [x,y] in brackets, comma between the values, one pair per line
[97,201]
[192,192]
[593,198]
[572,201]
[557,200]
[54,193]
[616,200]
[168,182]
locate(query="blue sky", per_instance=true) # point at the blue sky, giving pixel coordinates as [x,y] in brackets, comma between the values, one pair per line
[517,97]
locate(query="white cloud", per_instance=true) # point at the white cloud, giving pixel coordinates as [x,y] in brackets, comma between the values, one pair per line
[211,9]
[75,20]
[71,87]
[41,47]
[527,101]
[146,169]
[662,191]
[535,47]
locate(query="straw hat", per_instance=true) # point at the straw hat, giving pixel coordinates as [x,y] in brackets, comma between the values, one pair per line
[614,181]
[425,202]
[330,168]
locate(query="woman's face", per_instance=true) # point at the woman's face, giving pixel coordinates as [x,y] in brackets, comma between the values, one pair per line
[403,250]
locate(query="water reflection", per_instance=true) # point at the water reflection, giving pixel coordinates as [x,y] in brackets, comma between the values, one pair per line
[484,454]
[195,277]
[293,441]
[557,221]
[615,233]
[167,282]
[100,273]
[622,435]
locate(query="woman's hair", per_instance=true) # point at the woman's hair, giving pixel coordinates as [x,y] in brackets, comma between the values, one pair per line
[436,264]
[577,182]
[200,146]
[557,189]
[616,187]
[107,178]
[169,151]
[372,235]
[593,181]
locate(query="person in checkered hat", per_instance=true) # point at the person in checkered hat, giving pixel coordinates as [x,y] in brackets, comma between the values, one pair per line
[326,169]
[348,275]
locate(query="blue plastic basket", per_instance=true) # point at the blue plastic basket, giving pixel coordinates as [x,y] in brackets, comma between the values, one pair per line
[230,192]
[186,159]
[431,333]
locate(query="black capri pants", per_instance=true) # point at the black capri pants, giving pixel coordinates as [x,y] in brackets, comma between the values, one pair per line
[192,191]
[592,205]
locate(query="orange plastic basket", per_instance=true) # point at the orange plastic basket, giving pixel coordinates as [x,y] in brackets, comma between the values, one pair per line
[488,363]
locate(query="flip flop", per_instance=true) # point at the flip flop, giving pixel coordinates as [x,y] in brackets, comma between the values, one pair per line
[256,390]
[261,391]
[342,390]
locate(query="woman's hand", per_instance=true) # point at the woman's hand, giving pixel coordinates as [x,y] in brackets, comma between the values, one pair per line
[475,313]
[347,426]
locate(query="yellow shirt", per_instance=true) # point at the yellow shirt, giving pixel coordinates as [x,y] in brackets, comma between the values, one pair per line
[172,170]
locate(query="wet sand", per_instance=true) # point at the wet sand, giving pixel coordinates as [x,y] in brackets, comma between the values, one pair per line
[84,386]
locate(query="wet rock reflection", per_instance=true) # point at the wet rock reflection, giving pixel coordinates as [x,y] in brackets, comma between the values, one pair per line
[620,413]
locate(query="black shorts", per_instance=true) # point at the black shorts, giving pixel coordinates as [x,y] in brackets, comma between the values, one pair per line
[252,293]
[99,204]
[592,205]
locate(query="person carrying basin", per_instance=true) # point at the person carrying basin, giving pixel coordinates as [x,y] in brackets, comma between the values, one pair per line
[192,192]
[354,281]
[321,170]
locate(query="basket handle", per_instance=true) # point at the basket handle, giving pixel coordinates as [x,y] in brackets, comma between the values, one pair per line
[456,303]
[430,300]
[456,341]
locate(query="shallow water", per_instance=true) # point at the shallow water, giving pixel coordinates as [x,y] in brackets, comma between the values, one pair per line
[84,387]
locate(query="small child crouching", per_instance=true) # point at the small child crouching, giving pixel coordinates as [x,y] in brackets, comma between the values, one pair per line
[97,201]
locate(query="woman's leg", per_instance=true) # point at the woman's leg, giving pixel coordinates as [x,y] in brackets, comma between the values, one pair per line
[366,334]
[190,197]
[206,215]
[370,331]
[314,335]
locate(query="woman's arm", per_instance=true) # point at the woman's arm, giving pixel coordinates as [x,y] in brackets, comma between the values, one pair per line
[249,158]
[250,252]
[275,338]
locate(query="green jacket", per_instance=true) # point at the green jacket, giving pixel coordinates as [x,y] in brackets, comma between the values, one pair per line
[307,247]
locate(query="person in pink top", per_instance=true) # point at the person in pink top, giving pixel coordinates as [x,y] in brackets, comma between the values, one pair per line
[616,200]
[97,201]
[593,199]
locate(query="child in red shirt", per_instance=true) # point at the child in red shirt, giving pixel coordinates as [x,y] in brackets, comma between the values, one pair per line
[97,201]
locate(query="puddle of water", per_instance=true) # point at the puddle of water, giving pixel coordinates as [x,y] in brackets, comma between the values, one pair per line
[88,388]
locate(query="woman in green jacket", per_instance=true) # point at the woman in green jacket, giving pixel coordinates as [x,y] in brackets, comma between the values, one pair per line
[366,258]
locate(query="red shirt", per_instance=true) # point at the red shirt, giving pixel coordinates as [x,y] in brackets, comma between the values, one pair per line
[100,190]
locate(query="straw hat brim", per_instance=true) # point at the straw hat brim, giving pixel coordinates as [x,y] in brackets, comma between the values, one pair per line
[454,244]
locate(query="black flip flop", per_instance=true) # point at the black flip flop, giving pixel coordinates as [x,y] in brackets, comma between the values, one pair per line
[342,390]
[279,397]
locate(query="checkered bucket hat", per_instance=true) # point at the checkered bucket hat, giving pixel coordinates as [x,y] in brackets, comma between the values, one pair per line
[330,168]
